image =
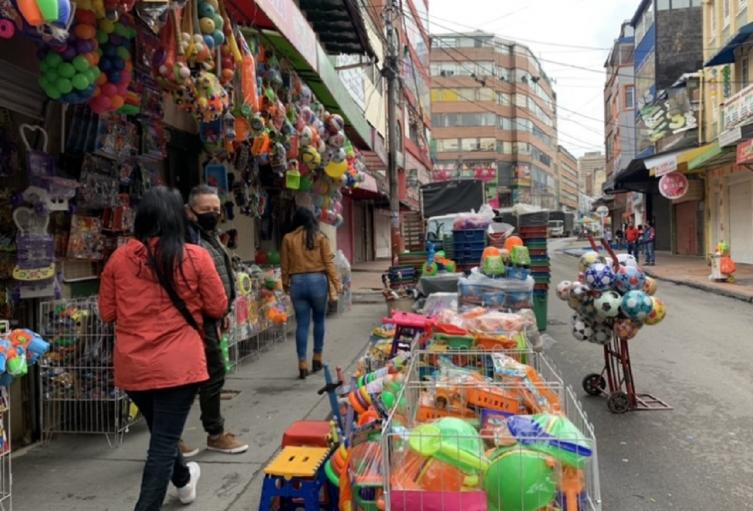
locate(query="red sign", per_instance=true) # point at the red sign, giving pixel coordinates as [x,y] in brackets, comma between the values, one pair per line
[673,185]
[745,151]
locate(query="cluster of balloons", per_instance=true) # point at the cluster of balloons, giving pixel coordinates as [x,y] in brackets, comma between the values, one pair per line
[611,298]
[45,12]
[211,23]
[69,70]
[115,40]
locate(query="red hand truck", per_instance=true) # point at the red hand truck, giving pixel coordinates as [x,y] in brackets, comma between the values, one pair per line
[616,378]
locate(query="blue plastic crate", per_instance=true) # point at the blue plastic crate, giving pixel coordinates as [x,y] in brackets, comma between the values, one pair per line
[470,235]
[469,246]
[517,273]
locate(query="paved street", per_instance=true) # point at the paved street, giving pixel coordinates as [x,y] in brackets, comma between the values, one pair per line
[697,456]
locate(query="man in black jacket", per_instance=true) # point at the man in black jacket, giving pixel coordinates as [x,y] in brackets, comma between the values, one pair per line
[203,213]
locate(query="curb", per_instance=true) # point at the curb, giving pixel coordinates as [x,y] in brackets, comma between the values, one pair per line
[693,285]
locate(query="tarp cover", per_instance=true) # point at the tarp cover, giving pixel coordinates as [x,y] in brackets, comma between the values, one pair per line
[452,197]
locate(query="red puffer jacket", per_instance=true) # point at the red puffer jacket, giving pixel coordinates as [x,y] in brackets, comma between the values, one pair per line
[155,347]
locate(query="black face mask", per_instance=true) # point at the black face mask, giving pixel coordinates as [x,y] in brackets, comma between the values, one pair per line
[207,221]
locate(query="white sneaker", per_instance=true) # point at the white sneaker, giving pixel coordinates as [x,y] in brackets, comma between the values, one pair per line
[187,494]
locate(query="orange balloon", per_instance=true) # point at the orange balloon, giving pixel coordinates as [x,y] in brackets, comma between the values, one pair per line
[92,57]
[242,128]
[513,241]
[117,102]
[101,79]
[85,31]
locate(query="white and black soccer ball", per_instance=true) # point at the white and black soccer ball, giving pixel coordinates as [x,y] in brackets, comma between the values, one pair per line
[582,328]
[608,304]
[563,289]
[602,334]
[580,291]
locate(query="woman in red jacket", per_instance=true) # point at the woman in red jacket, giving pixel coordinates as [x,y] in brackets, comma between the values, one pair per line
[157,290]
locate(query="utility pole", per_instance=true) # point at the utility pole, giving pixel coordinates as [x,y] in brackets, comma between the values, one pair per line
[390,71]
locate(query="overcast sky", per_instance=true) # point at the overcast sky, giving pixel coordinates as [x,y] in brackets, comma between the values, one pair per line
[564,33]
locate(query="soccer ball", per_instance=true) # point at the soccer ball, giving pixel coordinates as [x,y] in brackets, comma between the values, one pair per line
[636,305]
[602,334]
[629,278]
[658,311]
[649,286]
[599,276]
[563,289]
[582,328]
[589,258]
[608,304]
[627,260]
[580,292]
[626,328]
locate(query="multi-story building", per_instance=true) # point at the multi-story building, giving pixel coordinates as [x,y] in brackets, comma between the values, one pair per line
[494,118]
[728,127]
[591,172]
[567,180]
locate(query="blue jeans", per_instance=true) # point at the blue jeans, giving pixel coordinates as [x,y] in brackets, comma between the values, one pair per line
[309,294]
[165,411]
[650,252]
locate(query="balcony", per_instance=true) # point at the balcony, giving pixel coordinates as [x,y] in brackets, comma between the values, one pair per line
[738,109]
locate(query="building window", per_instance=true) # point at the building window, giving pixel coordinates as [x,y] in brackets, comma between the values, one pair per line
[680,4]
[629,97]
[744,70]
[662,5]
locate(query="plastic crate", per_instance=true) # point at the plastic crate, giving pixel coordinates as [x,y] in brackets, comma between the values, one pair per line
[517,273]
[469,246]
[534,232]
[533,219]
[472,235]
[540,309]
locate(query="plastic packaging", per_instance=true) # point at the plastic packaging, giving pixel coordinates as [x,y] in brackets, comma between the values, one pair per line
[437,302]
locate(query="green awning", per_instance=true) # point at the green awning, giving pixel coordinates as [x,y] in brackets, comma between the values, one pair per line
[713,155]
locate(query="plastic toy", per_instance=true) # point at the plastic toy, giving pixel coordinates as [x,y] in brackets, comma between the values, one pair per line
[563,290]
[607,305]
[513,241]
[589,258]
[450,440]
[552,434]
[602,334]
[582,329]
[658,311]
[31,342]
[636,305]
[629,278]
[492,263]
[436,262]
[599,276]
[650,286]
[520,479]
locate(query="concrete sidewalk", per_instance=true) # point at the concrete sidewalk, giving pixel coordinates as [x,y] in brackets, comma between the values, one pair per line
[82,473]
[689,271]
[366,281]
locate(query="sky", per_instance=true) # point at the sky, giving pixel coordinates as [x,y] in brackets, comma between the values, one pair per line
[564,32]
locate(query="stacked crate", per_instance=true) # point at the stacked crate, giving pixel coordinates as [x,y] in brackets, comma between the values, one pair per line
[533,228]
[469,246]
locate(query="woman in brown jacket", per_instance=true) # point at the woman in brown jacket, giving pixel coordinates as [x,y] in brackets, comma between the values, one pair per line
[309,275]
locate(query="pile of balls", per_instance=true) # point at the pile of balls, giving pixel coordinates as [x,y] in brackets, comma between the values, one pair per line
[610,302]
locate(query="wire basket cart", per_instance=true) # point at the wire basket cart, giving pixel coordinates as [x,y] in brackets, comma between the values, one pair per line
[6,476]
[615,381]
[486,456]
[78,392]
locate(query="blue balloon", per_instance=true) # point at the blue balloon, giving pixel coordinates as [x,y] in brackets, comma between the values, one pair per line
[64,11]
[118,64]
[114,76]
[105,65]
[209,41]
[110,50]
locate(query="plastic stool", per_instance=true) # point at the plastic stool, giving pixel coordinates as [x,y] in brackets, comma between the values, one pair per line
[297,473]
[307,434]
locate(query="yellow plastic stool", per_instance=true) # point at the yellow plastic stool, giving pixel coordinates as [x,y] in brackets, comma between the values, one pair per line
[297,462]
[295,479]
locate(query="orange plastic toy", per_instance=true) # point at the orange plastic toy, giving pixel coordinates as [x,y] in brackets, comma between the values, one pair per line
[513,241]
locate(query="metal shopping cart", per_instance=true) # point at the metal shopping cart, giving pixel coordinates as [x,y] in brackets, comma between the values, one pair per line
[615,381]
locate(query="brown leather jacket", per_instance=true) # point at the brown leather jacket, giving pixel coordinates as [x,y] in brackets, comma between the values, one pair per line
[296,258]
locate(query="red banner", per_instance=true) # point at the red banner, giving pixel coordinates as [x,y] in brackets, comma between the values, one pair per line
[745,151]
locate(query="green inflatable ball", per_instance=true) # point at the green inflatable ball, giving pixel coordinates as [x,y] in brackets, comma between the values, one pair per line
[53,60]
[520,479]
[80,81]
[91,74]
[81,64]
[273,257]
[218,21]
[102,36]
[123,53]
[52,92]
[121,30]
[64,85]
[66,70]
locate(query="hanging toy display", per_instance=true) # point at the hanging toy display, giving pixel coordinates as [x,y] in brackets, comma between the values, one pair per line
[116,63]
[45,12]
[69,71]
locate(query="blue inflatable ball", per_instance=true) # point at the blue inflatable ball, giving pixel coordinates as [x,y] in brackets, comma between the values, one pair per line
[110,50]
[118,63]
[599,276]
[105,65]
[219,37]
[114,76]
[206,10]
[209,41]
[636,305]
[629,278]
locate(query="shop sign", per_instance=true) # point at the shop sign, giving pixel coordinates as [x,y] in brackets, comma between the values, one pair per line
[293,25]
[669,115]
[745,152]
[738,108]
[729,137]
[674,185]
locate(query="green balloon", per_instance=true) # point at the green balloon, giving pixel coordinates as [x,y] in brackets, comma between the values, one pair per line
[43,82]
[388,399]
[52,92]
[91,74]
[121,30]
[43,67]
[64,85]
[80,81]
[51,76]
[53,59]
[80,63]
[218,22]
[66,70]
[123,53]
[101,36]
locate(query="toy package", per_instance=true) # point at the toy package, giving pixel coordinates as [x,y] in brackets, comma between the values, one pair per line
[85,240]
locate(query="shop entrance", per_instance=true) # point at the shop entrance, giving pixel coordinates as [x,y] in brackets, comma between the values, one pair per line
[686,223]
[741,221]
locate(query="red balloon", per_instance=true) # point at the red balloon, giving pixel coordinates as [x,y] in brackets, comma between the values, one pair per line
[110,90]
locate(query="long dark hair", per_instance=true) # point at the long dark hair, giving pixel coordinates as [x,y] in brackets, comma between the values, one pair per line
[305,218]
[161,215]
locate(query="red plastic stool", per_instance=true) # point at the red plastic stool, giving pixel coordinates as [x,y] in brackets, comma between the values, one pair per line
[307,434]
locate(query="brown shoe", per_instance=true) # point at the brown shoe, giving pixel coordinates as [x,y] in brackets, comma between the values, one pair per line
[316,363]
[303,370]
[186,450]
[226,443]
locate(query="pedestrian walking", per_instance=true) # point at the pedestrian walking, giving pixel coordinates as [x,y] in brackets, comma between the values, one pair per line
[309,275]
[158,290]
[203,212]
[649,244]
[631,236]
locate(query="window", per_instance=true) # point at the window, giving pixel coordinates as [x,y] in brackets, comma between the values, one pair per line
[448,145]
[680,4]
[487,144]
[744,71]
[485,94]
[662,5]
[629,97]
[503,98]
[469,144]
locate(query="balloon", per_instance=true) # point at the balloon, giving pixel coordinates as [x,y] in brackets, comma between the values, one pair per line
[513,241]
[53,60]
[206,25]
[107,26]
[80,63]
[219,37]
[85,31]
[117,102]
[80,81]
[273,257]
[64,85]
[206,10]
[109,89]
[49,10]
[209,41]
[64,12]
[336,169]
[123,53]
[66,70]
[53,92]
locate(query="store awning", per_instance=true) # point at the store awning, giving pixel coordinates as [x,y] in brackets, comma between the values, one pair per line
[712,155]
[726,55]
[661,164]
[339,25]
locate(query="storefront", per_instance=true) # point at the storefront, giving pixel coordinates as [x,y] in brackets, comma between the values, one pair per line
[730,210]
[91,121]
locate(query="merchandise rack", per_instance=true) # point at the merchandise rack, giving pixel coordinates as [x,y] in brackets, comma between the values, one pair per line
[6,476]
[77,388]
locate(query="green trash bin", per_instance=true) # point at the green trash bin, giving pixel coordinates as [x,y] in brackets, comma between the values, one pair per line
[540,308]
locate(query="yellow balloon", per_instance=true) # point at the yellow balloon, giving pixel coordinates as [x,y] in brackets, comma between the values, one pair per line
[335,170]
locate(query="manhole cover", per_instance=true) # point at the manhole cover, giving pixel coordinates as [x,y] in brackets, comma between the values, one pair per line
[227,395]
